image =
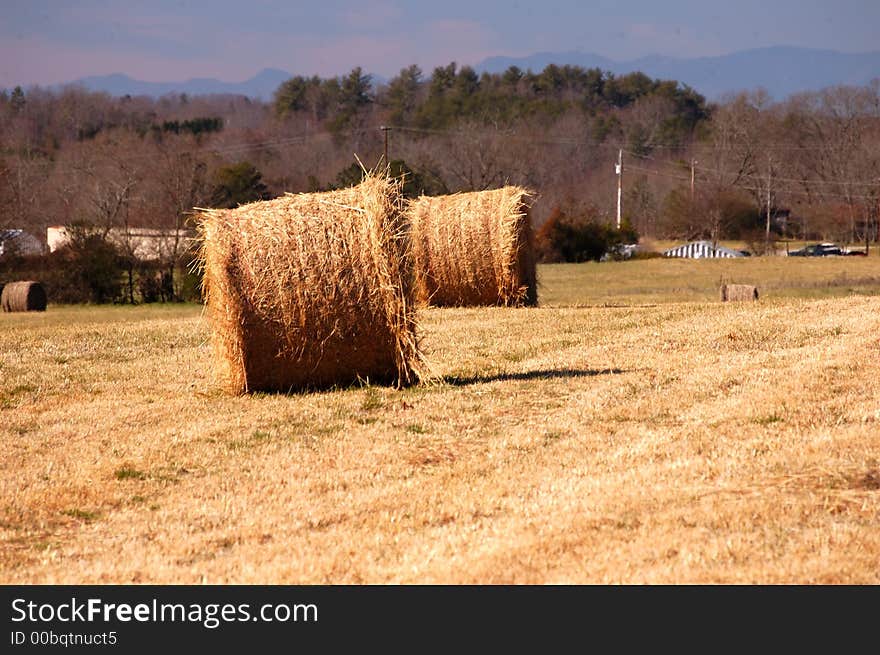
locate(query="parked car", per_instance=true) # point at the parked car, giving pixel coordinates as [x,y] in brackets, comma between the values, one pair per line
[817,250]
[620,251]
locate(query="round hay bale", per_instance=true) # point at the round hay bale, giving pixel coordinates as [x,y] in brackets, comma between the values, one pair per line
[738,292]
[474,248]
[25,296]
[312,290]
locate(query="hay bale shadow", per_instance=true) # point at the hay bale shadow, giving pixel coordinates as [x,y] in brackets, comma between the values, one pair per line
[540,374]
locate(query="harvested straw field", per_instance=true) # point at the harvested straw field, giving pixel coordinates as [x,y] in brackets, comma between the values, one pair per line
[738,292]
[311,290]
[474,249]
[632,429]
[25,296]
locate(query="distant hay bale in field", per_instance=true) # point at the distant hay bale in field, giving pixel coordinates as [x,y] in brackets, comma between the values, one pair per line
[27,296]
[738,292]
[474,248]
[312,290]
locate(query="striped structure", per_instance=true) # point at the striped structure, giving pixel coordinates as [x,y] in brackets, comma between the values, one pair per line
[701,250]
[19,242]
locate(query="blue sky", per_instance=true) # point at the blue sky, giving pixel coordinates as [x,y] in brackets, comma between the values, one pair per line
[46,41]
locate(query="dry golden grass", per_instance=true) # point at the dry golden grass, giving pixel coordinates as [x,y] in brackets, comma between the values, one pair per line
[669,442]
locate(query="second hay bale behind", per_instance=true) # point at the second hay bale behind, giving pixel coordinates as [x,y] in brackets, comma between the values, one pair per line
[474,248]
[312,290]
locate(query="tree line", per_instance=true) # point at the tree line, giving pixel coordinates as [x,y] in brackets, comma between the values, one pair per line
[746,167]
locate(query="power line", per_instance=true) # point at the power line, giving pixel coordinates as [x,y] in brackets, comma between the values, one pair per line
[221,150]
[807,194]
[563,141]
[866,183]
[807,181]
[650,171]
[670,145]
[666,162]
[640,156]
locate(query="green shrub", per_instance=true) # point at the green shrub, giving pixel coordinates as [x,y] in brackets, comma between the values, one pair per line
[94,268]
[579,237]
[190,285]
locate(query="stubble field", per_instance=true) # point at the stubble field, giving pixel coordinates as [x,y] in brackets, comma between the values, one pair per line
[632,429]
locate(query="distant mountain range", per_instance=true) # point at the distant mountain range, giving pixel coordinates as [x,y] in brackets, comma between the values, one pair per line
[780,70]
[262,85]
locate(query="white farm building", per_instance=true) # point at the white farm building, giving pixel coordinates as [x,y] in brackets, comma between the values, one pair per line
[701,250]
[144,243]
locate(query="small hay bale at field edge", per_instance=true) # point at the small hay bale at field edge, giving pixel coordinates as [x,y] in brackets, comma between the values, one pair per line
[312,290]
[738,292]
[474,248]
[26,296]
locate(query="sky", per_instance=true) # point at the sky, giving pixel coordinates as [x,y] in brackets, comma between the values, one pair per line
[50,41]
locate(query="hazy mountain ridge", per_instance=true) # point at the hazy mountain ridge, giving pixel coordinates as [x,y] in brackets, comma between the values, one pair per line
[782,70]
[262,85]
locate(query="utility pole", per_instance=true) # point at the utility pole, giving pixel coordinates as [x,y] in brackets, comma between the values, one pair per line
[693,177]
[385,130]
[619,170]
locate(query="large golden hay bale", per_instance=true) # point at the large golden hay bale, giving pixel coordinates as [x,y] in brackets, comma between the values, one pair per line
[738,292]
[312,290]
[27,296]
[474,248]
